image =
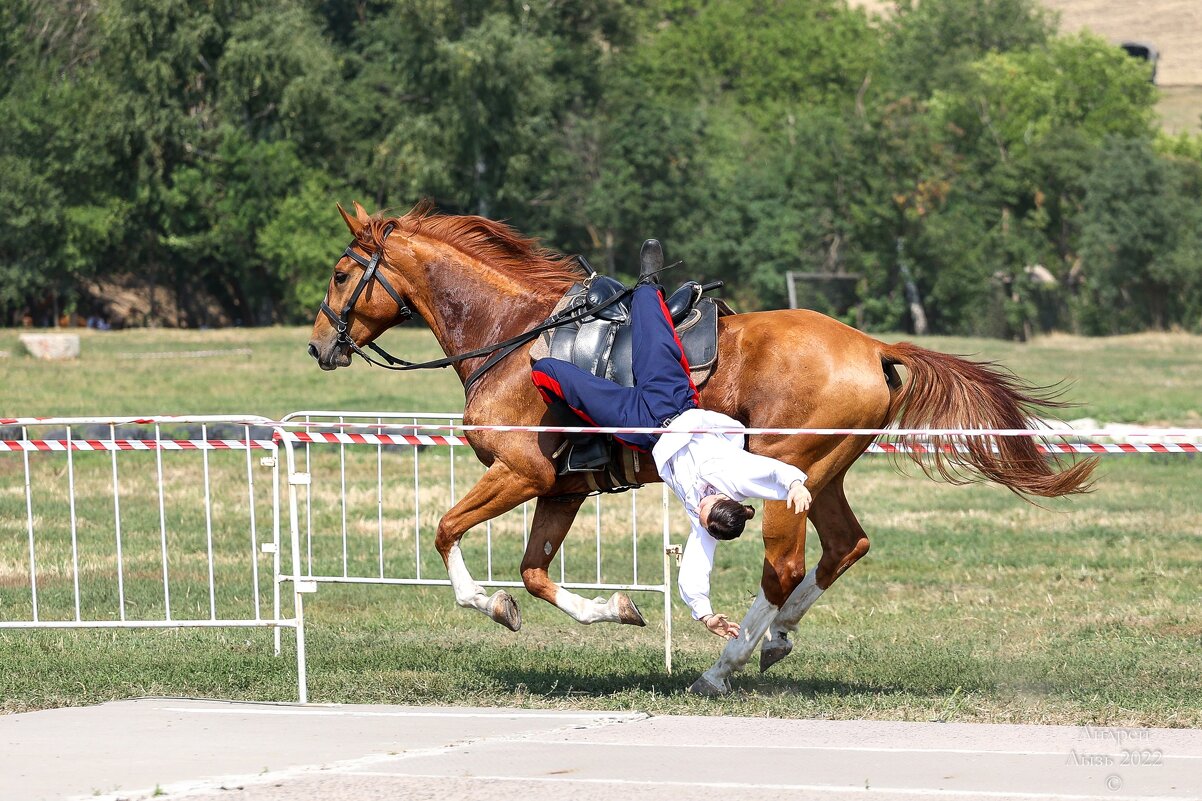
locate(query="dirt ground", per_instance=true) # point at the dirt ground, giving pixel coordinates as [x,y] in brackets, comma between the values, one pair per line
[1180,108]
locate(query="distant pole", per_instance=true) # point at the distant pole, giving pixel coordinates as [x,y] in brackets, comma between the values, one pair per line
[789,281]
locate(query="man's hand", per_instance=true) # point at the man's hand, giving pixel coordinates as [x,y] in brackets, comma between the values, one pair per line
[719,625]
[799,497]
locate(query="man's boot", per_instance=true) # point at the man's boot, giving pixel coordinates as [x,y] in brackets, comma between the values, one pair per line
[586,452]
[651,262]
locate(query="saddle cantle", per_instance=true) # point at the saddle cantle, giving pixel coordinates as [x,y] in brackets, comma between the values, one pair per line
[603,345]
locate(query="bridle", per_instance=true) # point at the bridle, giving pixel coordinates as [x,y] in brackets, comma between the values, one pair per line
[371,272]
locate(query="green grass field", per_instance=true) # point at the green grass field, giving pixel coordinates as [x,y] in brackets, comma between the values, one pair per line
[972,605]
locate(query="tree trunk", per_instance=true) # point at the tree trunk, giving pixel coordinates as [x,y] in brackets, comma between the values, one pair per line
[918,314]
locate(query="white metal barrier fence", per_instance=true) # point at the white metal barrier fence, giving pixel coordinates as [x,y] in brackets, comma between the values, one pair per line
[382,480]
[155,522]
[159,522]
[367,490]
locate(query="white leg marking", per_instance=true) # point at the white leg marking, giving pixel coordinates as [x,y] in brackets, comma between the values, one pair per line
[467,592]
[582,610]
[737,651]
[796,605]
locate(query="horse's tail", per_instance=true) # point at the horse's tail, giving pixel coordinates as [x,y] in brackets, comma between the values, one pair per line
[945,391]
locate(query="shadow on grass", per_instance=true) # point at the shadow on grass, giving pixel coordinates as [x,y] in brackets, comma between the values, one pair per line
[552,682]
[470,672]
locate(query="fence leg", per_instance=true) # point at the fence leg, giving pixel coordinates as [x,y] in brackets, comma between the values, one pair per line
[667,587]
[33,564]
[302,679]
[302,688]
[275,541]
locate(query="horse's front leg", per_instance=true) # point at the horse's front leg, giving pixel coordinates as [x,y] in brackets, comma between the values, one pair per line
[552,519]
[498,490]
[784,570]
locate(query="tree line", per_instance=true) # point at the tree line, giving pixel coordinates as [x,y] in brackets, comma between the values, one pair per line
[956,166]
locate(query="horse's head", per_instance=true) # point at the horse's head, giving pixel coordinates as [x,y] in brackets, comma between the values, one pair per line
[367,292]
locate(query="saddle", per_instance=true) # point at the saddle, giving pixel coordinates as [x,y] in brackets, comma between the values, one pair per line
[601,344]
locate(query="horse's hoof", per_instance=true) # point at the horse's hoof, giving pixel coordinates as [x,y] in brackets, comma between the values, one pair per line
[708,689]
[627,612]
[504,610]
[773,652]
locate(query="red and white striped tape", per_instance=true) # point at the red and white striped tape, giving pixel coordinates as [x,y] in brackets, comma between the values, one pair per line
[57,445]
[1147,441]
[1048,447]
[332,437]
[1190,434]
[247,419]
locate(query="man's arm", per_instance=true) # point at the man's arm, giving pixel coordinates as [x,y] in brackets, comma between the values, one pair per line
[696,564]
[750,475]
[694,581]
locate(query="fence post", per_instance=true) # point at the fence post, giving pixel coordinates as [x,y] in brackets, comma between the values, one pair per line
[294,479]
[667,584]
[275,537]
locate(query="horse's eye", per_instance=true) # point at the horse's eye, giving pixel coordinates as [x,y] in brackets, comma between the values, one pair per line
[340,278]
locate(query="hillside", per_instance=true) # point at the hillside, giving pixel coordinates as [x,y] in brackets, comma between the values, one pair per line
[1174,27]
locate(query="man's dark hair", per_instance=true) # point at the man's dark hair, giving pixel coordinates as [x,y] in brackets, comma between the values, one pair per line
[727,518]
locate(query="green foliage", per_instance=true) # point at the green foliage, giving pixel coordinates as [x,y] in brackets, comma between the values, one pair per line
[1025,128]
[295,247]
[931,43]
[1141,241]
[1017,101]
[61,196]
[761,56]
[198,145]
[1182,146]
[279,79]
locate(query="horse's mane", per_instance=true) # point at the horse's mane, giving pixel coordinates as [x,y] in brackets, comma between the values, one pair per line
[494,243]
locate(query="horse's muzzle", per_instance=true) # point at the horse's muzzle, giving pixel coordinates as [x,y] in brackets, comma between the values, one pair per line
[332,358]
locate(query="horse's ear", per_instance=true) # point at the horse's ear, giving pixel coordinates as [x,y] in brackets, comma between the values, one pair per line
[350,221]
[361,213]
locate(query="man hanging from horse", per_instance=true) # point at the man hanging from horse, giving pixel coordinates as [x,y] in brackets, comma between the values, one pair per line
[710,472]
[478,283]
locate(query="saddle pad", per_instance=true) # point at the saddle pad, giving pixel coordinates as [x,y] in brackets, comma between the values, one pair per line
[605,348]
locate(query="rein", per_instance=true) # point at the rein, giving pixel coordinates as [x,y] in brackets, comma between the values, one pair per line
[372,272]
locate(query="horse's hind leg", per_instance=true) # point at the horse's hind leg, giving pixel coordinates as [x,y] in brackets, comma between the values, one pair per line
[785,587]
[843,544]
[552,520]
[784,567]
[498,490]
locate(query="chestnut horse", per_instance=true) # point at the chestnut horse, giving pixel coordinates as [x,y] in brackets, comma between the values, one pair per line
[478,282]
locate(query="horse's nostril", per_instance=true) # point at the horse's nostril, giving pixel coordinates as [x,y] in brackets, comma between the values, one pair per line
[313,350]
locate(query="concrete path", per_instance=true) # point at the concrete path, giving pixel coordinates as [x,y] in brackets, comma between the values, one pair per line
[260,752]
